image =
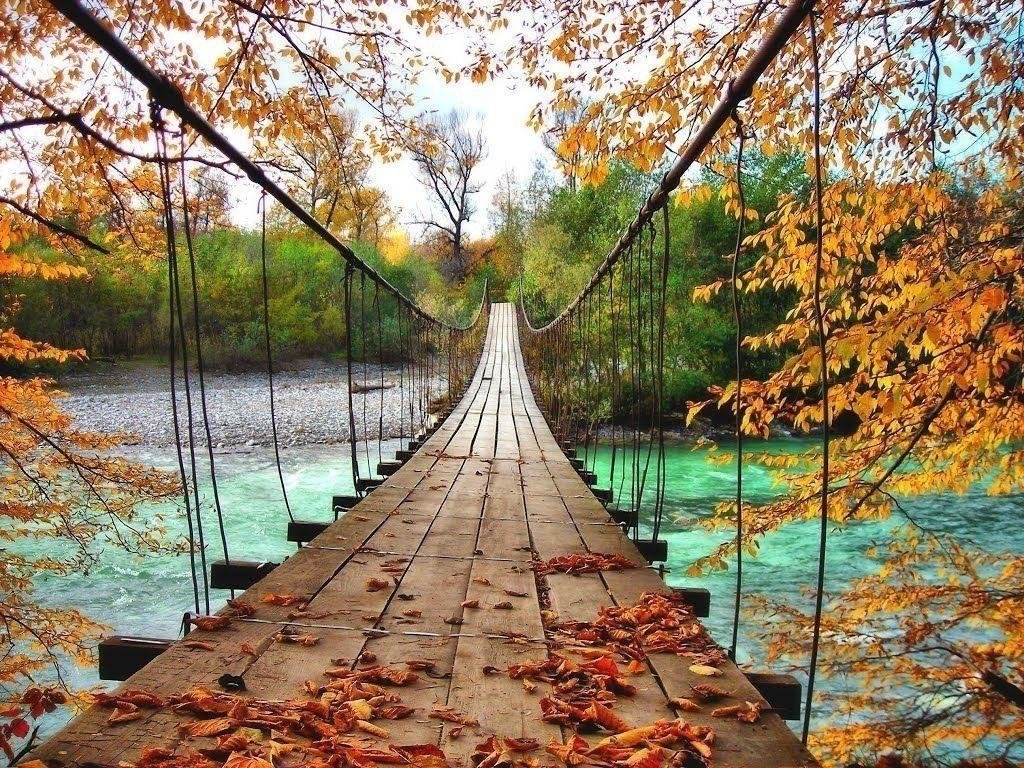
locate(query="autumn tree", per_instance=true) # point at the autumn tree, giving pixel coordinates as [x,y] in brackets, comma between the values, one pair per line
[560,139]
[906,309]
[510,215]
[447,152]
[209,200]
[60,484]
[78,152]
[327,165]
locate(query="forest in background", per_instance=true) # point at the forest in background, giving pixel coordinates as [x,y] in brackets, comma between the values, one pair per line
[549,234]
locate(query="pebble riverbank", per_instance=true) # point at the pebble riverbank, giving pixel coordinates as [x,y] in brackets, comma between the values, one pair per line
[310,398]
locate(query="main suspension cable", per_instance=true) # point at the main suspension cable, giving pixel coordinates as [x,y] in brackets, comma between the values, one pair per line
[186,225]
[156,118]
[822,340]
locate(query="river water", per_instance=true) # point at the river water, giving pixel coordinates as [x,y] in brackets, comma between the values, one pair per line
[147,597]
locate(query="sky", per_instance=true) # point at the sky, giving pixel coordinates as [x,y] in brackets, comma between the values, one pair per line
[501,108]
[502,112]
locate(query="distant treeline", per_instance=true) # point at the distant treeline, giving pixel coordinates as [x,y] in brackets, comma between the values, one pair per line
[567,231]
[122,309]
[552,233]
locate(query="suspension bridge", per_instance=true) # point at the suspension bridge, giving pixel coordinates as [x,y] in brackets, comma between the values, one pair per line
[483,596]
[453,538]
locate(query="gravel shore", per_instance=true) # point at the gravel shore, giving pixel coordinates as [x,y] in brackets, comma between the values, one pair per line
[311,404]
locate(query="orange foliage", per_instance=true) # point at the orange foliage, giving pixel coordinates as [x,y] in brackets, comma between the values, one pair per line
[58,483]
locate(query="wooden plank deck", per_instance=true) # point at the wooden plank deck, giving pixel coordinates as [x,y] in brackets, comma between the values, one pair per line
[463,520]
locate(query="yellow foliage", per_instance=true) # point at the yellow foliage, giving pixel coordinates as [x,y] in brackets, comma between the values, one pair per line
[395,245]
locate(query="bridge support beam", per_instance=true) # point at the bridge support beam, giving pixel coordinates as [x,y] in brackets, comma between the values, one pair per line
[367,484]
[301,531]
[782,692]
[624,517]
[654,551]
[340,504]
[697,598]
[121,656]
[238,574]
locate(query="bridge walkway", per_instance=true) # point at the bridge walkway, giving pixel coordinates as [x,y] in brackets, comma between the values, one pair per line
[462,523]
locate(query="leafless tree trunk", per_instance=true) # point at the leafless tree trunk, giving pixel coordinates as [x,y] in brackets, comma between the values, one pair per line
[446,153]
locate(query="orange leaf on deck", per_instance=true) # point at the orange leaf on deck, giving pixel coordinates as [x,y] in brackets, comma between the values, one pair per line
[421,664]
[422,755]
[210,623]
[198,645]
[373,730]
[636,667]
[239,760]
[283,599]
[307,640]
[451,716]
[648,757]
[214,727]
[240,608]
[125,714]
[606,718]
[394,712]
[522,745]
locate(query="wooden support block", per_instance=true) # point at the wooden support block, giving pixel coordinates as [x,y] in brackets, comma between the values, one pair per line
[654,551]
[604,494]
[697,598]
[414,445]
[341,504]
[367,484]
[625,517]
[238,574]
[587,476]
[388,468]
[404,456]
[301,531]
[577,464]
[783,692]
[121,656]
[570,453]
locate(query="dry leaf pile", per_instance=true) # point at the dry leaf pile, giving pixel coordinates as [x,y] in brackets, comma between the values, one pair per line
[590,562]
[581,692]
[255,733]
[656,623]
[674,743]
[498,752]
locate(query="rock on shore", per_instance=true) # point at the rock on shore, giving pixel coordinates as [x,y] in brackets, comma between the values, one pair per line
[311,404]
